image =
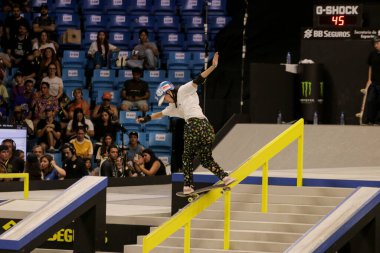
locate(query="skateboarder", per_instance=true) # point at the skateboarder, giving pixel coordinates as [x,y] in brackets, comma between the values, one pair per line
[198,133]
[371,114]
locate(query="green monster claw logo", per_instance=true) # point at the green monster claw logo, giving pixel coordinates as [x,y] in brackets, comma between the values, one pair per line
[321,89]
[306,89]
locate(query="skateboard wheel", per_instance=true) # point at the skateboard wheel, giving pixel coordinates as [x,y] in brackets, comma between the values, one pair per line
[190,199]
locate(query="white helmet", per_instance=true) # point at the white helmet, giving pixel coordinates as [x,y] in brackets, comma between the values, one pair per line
[162,88]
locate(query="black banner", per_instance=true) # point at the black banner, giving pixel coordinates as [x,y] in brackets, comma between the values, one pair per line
[340,33]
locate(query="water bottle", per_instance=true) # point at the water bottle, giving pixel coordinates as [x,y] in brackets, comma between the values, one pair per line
[279,117]
[315,119]
[342,121]
[288,58]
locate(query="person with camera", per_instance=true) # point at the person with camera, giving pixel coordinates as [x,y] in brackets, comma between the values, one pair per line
[135,92]
[106,106]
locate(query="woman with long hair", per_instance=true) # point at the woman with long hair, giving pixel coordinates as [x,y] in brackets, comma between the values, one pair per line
[79,120]
[32,167]
[99,51]
[150,165]
[102,154]
[49,56]
[49,168]
[44,42]
[103,125]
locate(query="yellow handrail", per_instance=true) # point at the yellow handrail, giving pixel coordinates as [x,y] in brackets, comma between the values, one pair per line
[259,159]
[25,176]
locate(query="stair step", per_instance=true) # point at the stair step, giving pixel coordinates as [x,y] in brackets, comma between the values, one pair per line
[137,220]
[259,216]
[207,243]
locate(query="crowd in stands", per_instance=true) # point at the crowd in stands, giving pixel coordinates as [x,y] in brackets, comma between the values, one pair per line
[83,129]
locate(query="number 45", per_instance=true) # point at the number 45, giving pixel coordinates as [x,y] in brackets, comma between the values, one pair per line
[338,20]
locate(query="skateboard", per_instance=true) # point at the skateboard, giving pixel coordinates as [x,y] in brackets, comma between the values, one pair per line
[360,114]
[196,194]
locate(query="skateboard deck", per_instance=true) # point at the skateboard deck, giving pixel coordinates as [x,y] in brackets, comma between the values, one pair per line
[196,194]
[360,114]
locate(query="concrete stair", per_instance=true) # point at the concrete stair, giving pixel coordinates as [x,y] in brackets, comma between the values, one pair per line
[291,212]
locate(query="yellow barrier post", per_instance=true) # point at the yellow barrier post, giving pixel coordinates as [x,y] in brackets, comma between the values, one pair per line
[227,219]
[186,243]
[264,187]
[25,176]
[300,161]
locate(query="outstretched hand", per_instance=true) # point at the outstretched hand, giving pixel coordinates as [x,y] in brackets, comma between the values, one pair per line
[215,60]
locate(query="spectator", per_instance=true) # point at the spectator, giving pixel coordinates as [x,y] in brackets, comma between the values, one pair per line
[82,145]
[41,102]
[49,57]
[25,99]
[104,125]
[15,164]
[19,119]
[147,50]
[99,52]
[23,4]
[135,92]
[109,167]
[20,47]
[49,131]
[88,165]
[77,121]
[4,97]
[134,146]
[32,167]
[152,165]
[106,106]
[49,168]
[77,102]
[4,165]
[18,84]
[20,153]
[44,42]
[39,151]
[44,23]
[55,82]
[101,153]
[14,21]
[72,164]
[5,64]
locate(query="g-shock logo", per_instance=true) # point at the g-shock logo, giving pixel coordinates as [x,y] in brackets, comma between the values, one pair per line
[337,9]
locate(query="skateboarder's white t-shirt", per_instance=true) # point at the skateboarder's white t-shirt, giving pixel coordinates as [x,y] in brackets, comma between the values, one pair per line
[187,104]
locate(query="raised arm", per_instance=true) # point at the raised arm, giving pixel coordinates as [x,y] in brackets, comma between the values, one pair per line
[201,78]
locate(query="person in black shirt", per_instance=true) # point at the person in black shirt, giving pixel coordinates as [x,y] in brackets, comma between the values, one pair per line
[73,165]
[109,167]
[371,114]
[13,22]
[152,165]
[135,92]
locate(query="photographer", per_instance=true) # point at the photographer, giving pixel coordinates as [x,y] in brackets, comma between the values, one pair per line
[106,106]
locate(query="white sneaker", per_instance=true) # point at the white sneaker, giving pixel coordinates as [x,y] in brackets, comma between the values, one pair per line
[187,190]
[228,180]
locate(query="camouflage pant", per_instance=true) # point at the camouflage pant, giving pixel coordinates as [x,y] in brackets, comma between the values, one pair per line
[198,138]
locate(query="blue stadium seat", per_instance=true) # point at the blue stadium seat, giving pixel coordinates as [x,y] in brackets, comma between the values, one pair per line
[73,77]
[190,7]
[89,37]
[167,23]
[136,40]
[93,7]
[172,41]
[193,23]
[65,21]
[120,59]
[160,142]
[179,76]
[94,22]
[198,59]
[120,39]
[195,41]
[158,125]
[164,7]
[217,7]
[179,60]
[118,23]
[36,4]
[103,78]
[218,22]
[62,6]
[74,58]
[142,21]
[138,7]
[143,138]
[123,75]
[128,120]
[166,158]
[154,77]
[116,7]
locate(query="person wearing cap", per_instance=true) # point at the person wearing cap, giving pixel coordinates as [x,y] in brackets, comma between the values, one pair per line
[44,23]
[134,146]
[106,106]
[135,92]
[198,133]
[371,113]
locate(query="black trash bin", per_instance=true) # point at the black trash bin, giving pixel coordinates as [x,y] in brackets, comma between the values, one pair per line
[311,91]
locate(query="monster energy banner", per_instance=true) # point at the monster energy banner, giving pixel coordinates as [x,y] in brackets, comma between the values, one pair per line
[311,90]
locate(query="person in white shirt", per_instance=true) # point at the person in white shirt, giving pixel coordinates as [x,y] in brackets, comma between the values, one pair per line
[198,133]
[99,51]
[55,82]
